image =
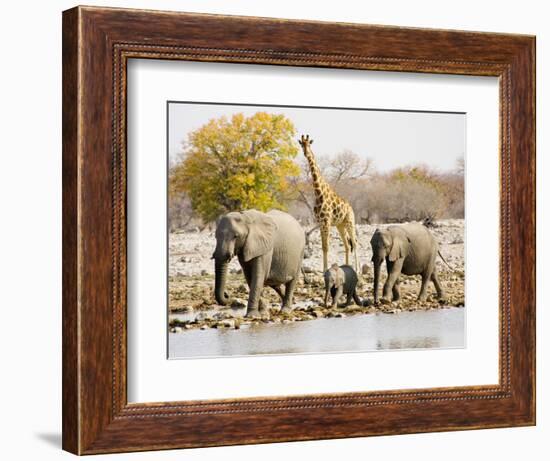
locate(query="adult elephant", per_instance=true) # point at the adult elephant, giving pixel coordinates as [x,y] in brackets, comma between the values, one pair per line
[408,249]
[270,247]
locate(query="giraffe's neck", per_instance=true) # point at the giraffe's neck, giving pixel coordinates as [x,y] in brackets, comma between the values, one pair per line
[318,180]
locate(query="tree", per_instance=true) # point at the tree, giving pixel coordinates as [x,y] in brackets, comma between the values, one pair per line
[237,163]
[413,193]
[348,166]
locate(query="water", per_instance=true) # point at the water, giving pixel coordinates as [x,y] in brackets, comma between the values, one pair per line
[440,328]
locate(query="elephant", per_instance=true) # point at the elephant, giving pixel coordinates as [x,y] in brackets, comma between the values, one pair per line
[408,249]
[270,248]
[341,280]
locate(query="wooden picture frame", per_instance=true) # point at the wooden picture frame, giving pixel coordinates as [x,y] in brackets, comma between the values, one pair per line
[97,43]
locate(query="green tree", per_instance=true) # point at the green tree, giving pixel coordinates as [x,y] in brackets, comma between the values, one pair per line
[237,163]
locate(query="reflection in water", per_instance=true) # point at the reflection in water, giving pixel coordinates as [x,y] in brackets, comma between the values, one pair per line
[419,342]
[441,328]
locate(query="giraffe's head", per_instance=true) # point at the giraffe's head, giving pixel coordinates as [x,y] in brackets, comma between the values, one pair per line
[305,141]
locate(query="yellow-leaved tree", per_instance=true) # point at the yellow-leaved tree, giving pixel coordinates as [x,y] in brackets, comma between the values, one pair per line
[237,163]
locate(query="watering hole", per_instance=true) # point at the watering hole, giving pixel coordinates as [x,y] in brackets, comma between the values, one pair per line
[431,329]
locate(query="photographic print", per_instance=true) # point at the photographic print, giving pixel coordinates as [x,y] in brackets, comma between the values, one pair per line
[241,200]
[298,230]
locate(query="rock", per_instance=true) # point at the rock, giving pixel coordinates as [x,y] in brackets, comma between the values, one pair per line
[202,316]
[204,272]
[227,323]
[178,329]
[307,270]
[204,327]
[222,315]
[365,269]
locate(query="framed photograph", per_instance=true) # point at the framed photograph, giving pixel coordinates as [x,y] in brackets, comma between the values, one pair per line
[281,230]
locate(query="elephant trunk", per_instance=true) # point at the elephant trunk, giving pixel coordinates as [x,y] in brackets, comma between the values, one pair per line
[377,265]
[222,298]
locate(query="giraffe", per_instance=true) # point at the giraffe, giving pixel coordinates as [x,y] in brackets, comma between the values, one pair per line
[330,209]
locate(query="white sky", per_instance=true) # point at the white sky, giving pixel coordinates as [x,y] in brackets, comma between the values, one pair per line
[392,139]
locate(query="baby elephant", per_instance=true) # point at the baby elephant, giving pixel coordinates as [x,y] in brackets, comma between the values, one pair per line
[408,249]
[341,280]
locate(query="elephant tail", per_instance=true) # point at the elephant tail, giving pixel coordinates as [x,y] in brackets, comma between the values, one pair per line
[441,256]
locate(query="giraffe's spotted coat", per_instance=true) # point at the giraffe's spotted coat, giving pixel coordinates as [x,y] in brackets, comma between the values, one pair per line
[330,209]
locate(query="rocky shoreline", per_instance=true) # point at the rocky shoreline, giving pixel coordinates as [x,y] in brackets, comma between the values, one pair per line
[229,319]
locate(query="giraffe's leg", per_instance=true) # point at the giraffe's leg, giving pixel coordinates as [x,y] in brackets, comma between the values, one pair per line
[345,240]
[353,239]
[325,234]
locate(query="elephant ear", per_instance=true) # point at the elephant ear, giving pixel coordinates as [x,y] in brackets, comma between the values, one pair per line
[398,247]
[261,232]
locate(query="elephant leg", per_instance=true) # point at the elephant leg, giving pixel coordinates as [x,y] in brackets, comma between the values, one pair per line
[337,296]
[327,296]
[349,298]
[395,291]
[344,236]
[325,235]
[279,291]
[289,294]
[394,271]
[262,305]
[440,291]
[256,284]
[423,295]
